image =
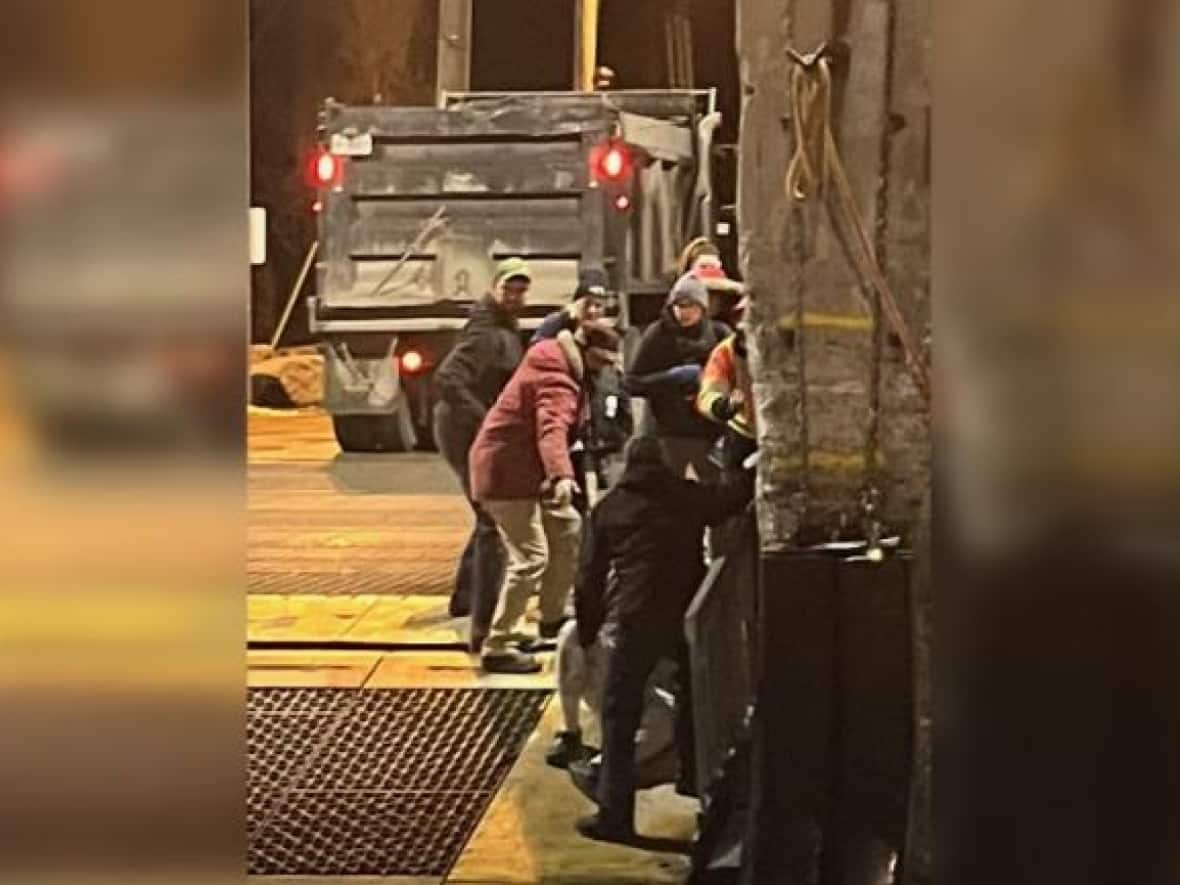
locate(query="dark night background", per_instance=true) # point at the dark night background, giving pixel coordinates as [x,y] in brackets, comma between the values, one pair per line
[359,51]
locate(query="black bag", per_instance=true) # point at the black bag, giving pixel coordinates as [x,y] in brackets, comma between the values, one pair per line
[611,423]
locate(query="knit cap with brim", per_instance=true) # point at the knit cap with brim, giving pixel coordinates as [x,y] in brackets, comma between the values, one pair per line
[592,282]
[513,267]
[689,290]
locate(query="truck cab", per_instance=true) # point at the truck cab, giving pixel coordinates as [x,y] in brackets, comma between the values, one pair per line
[416,206]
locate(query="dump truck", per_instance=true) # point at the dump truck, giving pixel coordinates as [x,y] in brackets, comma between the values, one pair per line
[417,204]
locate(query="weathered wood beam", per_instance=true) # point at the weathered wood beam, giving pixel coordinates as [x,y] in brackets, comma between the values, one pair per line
[454,46]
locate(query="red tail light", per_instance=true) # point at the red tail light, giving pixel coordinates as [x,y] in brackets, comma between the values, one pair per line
[611,162]
[412,362]
[325,170]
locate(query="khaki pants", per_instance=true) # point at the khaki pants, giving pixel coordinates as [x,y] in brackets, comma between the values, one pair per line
[542,546]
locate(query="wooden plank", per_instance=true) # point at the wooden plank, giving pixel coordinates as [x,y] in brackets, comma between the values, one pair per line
[762,31]
[814,385]
[454,46]
[905,436]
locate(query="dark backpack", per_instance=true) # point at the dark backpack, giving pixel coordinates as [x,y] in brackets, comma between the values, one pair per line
[611,424]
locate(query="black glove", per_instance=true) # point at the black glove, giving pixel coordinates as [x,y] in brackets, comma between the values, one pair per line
[723,409]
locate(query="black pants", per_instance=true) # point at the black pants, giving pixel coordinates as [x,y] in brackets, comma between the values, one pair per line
[635,655]
[481,566]
[736,448]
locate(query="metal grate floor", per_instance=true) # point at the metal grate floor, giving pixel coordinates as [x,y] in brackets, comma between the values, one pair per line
[425,580]
[376,782]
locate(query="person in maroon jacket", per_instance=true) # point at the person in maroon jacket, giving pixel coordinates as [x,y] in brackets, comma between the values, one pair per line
[521,474]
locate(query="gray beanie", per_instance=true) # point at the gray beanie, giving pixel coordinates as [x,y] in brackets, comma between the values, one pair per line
[689,288]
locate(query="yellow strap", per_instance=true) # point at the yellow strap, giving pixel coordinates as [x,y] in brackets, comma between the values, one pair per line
[827,462]
[847,322]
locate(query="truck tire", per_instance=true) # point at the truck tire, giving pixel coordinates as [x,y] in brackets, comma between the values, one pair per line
[374,433]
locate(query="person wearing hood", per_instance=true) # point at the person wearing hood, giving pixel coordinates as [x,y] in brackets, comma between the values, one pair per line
[522,475]
[667,368]
[647,532]
[467,383]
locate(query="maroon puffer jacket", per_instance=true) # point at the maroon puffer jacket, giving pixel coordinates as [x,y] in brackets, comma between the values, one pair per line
[525,437]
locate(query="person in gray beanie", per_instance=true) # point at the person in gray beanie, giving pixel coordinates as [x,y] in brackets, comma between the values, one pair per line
[667,371]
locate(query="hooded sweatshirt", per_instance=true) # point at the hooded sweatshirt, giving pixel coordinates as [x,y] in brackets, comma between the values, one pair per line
[481,362]
[667,345]
[649,530]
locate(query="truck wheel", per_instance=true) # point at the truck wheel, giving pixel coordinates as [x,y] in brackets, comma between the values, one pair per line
[374,433]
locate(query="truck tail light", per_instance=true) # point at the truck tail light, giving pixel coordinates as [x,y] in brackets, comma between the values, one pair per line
[611,162]
[325,169]
[412,362]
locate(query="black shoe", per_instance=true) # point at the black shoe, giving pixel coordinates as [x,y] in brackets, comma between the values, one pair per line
[509,661]
[585,777]
[686,786]
[536,644]
[550,629]
[460,604]
[475,643]
[600,829]
[567,747]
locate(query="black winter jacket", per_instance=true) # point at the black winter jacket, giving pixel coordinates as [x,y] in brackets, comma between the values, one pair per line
[481,362]
[667,345]
[649,528]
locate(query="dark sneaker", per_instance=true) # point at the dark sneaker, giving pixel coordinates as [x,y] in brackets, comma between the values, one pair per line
[600,829]
[584,774]
[510,660]
[550,629]
[567,747]
[535,644]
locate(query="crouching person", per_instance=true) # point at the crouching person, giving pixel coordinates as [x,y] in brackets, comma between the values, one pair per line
[522,476]
[649,530]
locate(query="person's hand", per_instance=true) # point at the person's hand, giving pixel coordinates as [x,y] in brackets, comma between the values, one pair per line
[737,399]
[561,493]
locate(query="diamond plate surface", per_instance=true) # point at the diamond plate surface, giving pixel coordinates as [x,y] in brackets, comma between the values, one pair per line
[376,782]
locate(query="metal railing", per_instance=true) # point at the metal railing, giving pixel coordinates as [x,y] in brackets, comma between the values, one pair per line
[720,626]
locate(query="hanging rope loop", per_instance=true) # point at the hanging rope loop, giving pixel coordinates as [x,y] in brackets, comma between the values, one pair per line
[811,108]
[814,163]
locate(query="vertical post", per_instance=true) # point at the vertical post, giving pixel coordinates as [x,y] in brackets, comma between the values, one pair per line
[454,47]
[586,14]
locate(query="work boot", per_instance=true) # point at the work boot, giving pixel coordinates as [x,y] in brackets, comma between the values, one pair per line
[510,660]
[567,747]
[602,829]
